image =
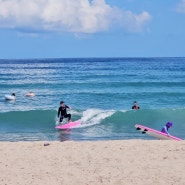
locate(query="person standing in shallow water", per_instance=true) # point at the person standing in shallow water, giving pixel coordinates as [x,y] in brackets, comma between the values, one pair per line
[62,112]
[135,105]
[166,127]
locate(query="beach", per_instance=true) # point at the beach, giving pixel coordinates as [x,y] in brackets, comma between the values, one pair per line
[130,162]
[105,148]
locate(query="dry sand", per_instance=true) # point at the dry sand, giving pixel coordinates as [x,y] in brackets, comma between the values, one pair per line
[128,162]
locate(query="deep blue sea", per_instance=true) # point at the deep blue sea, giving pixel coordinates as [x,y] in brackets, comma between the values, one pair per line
[101,92]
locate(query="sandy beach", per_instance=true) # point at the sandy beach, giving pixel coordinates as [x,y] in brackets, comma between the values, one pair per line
[130,162]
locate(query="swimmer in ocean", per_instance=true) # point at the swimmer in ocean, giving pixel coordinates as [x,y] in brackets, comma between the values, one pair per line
[135,106]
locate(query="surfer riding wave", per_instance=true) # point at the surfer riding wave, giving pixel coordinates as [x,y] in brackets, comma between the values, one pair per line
[62,112]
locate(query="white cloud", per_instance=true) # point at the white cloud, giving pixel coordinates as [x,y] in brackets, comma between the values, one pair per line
[181,6]
[78,16]
[130,21]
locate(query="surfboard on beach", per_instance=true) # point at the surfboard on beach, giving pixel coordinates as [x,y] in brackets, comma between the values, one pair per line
[155,133]
[69,125]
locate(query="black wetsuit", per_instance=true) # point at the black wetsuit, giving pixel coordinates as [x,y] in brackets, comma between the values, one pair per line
[62,112]
[135,107]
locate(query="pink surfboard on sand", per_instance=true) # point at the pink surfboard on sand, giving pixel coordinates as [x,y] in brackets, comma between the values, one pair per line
[69,125]
[155,133]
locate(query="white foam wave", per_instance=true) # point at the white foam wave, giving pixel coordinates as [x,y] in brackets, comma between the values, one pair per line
[94,116]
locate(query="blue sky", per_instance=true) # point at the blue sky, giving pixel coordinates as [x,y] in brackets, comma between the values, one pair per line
[91,28]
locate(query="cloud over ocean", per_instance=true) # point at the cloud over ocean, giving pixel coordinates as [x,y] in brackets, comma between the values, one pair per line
[77,16]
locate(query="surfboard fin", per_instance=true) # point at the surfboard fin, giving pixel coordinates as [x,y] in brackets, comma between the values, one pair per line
[144,132]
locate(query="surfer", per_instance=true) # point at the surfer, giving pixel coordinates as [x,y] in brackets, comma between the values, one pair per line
[30,94]
[13,95]
[166,127]
[135,106]
[62,112]
[10,97]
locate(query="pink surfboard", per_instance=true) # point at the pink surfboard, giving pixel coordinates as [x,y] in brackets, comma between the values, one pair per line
[69,125]
[155,133]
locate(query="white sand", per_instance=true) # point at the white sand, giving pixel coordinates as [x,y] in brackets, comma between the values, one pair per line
[128,162]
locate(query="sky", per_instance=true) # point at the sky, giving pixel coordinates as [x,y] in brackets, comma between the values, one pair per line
[91,28]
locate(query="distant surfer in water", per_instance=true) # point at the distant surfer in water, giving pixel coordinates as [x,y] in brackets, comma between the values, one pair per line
[13,94]
[13,97]
[62,112]
[135,106]
[30,94]
[166,127]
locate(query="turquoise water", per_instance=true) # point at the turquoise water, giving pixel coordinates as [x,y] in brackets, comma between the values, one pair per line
[101,92]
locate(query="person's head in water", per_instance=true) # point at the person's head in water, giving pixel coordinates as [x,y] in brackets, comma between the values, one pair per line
[169,124]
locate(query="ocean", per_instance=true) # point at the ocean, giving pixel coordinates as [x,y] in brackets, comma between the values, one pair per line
[101,92]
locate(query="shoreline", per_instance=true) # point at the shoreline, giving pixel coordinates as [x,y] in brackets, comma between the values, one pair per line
[130,162]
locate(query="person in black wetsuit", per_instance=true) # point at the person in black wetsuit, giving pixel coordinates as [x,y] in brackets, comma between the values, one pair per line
[135,106]
[62,112]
